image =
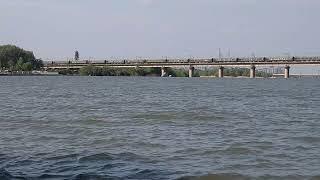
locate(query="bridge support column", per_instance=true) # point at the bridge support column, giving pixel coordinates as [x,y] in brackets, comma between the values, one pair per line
[287,72]
[191,71]
[164,72]
[252,71]
[221,72]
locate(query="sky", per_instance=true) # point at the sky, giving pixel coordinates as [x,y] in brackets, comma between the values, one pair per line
[54,29]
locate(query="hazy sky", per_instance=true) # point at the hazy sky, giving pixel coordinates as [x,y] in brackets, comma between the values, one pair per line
[156,28]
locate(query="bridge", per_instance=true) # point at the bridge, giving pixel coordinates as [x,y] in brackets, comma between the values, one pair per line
[164,64]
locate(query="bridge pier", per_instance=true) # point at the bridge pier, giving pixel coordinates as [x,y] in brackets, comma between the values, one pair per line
[252,71]
[164,72]
[221,72]
[191,71]
[287,72]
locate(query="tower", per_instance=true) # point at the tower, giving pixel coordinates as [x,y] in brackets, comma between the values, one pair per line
[76,56]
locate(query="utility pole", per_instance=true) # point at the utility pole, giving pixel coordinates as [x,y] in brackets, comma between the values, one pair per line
[229,54]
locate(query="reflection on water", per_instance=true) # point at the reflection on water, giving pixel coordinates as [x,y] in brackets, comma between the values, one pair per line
[159,128]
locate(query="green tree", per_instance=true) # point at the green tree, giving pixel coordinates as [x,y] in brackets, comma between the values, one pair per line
[11,65]
[27,66]
[19,64]
[11,57]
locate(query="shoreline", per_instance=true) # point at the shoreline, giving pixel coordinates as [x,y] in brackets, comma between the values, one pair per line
[203,77]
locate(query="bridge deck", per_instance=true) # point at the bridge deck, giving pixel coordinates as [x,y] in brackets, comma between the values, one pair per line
[165,63]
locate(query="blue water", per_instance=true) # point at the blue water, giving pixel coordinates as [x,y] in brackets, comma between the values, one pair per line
[159,128]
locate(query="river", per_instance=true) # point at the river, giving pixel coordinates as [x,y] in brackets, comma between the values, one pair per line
[64,127]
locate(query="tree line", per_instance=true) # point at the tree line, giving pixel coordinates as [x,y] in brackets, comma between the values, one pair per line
[233,72]
[91,70]
[14,58]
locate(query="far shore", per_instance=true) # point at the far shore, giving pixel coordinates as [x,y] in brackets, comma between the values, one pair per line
[46,73]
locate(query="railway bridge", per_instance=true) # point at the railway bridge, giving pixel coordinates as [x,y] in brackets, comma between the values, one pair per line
[164,64]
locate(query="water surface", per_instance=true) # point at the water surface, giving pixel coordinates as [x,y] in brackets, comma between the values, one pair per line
[159,128]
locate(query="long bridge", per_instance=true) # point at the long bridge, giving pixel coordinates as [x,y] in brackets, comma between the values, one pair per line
[164,64]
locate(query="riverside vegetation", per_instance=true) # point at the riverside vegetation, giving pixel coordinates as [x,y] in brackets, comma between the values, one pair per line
[110,71]
[14,58]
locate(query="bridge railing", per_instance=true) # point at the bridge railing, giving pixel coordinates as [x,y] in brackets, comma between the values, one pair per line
[191,61]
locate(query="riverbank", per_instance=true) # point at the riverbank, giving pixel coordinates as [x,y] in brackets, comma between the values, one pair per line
[28,73]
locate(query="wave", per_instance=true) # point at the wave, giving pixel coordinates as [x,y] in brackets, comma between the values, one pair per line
[143,174]
[154,175]
[63,157]
[238,150]
[245,177]
[149,174]
[72,166]
[5,175]
[96,158]
[2,158]
[128,156]
[94,177]
[308,139]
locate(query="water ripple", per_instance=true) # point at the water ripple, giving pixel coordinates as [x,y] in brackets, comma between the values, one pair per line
[159,128]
